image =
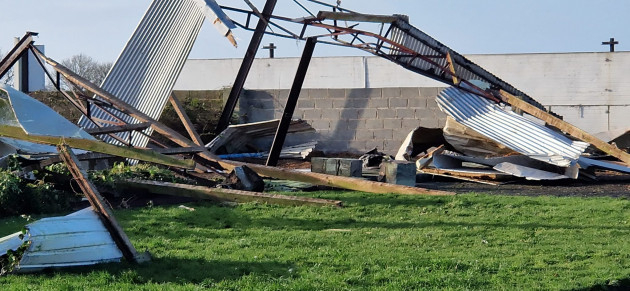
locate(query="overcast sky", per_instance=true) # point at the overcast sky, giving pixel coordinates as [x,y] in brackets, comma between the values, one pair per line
[101,28]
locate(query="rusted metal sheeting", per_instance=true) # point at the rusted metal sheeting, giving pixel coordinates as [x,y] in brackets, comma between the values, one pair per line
[73,240]
[405,34]
[509,128]
[146,70]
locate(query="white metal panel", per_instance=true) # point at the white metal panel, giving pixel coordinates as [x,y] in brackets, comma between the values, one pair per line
[592,119]
[510,129]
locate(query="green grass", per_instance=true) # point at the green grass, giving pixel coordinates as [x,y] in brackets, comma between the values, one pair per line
[383,242]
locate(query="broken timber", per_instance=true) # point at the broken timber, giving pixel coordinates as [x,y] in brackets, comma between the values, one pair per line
[565,127]
[313,178]
[99,204]
[183,116]
[96,146]
[221,195]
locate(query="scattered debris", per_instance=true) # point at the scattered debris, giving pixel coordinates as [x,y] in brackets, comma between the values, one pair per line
[398,172]
[373,158]
[244,178]
[222,195]
[420,140]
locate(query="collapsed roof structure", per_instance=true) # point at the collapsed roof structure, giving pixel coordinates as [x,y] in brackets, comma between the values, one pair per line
[136,90]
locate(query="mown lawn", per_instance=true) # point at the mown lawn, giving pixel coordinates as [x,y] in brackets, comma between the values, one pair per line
[384,242]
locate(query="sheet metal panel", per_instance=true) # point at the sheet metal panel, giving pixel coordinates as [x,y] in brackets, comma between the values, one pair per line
[73,240]
[146,70]
[510,129]
[405,34]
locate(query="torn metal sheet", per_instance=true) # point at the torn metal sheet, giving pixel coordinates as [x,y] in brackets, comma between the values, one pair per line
[527,172]
[586,163]
[510,129]
[469,142]
[236,138]
[74,240]
[34,117]
[146,70]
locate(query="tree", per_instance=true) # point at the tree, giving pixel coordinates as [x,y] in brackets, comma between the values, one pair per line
[88,68]
[8,77]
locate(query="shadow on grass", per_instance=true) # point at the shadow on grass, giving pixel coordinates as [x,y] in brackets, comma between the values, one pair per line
[613,285]
[181,271]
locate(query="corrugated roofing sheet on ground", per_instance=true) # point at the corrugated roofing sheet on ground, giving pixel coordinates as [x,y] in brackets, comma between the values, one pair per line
[509,128]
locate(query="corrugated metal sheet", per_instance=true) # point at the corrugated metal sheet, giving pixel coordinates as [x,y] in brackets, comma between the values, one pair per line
[510,129]
[146,70]
[404,33]
[73,240]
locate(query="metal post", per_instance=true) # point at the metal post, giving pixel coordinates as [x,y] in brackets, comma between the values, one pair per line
[289,108]
[246,65]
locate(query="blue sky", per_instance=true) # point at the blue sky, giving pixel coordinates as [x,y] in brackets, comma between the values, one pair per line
[101,28]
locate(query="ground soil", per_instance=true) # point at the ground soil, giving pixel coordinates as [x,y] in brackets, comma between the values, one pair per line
[608,184]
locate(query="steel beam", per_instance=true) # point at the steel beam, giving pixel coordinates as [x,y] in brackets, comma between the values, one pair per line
[246,65]
[18,50]
[289,108]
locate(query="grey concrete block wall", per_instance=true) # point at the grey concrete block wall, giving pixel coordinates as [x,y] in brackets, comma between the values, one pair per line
[352,120]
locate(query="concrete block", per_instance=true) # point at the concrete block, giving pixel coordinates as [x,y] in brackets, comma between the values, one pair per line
[399,172]
[385,113]
[426,113]
[336,93]
[350,113]
[317,93]
[318,164]
[364,135]
[283,94]
[392,123]
[429,92]
[367,113]
[391,92]
[341,103]
[418,102]
[429,122]
[332,114]
[324,103]
[318,124]
[356,146]
[406,113]
[366,93]
[411,124]
[304,104]
[413,92]
[355,123]
[374,123]
[383,134]
[331,166]
[377,103]
[312,114]
[432,104]
[398,102]
[343,133]
[359,103]
[350,168]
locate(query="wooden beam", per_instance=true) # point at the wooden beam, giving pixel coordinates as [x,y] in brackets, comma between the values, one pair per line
[181,112]
[97,146]
[119,128]
[451,68]
[221,195]
[460,176]
[125,107]
[337,181]
[428,157]
[565,126]
[100,206]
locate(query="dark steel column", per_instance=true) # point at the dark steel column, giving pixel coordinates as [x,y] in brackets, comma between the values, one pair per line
[289,108]
[246,65]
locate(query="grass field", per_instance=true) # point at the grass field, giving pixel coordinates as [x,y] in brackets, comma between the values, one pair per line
[384,242]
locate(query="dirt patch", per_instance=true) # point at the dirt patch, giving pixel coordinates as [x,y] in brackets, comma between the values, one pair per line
[608,184]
